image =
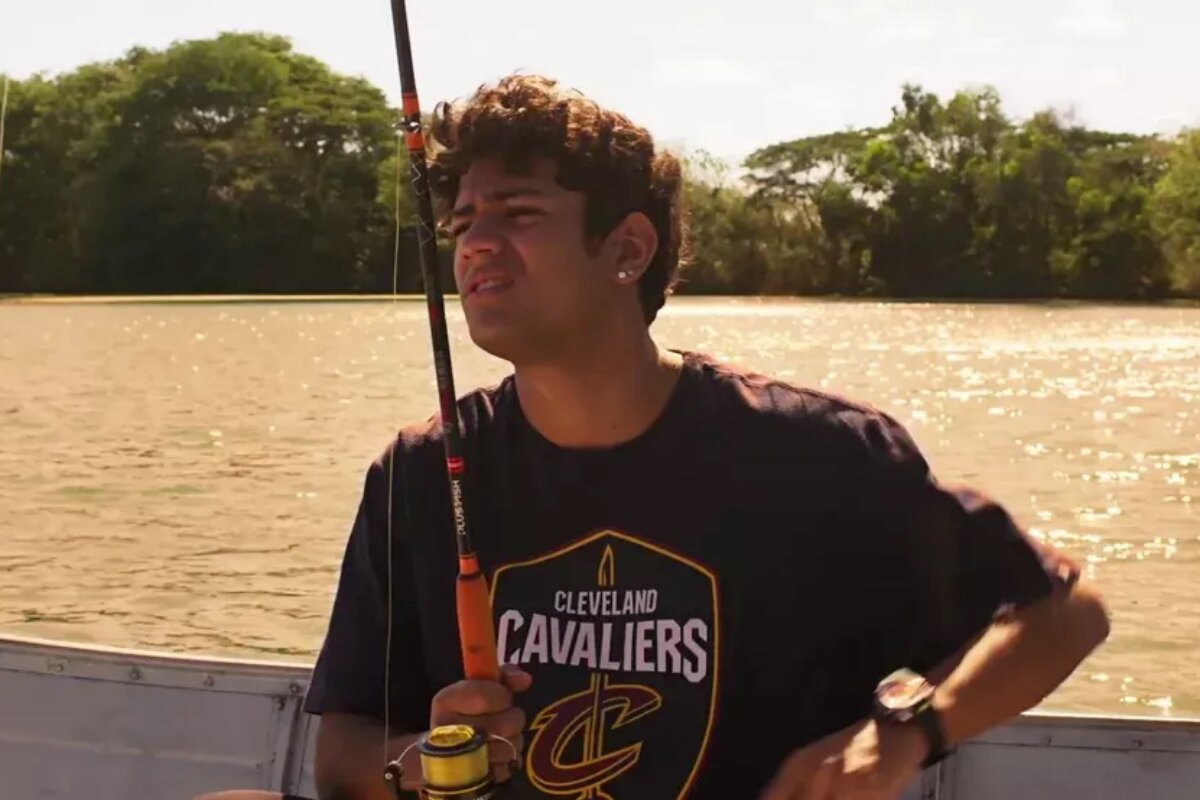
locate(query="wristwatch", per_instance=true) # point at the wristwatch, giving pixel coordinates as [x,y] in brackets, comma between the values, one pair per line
[906,698]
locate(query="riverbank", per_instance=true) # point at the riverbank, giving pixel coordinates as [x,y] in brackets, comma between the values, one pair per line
[184,299]
[201,299]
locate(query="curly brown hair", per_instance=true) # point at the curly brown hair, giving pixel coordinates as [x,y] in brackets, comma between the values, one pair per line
[597,151]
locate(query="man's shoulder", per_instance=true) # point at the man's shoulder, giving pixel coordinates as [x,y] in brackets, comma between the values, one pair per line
[772,395]
[775,410]
[418,441]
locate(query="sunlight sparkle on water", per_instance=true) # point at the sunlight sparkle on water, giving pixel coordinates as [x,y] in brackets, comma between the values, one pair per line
[1082,420]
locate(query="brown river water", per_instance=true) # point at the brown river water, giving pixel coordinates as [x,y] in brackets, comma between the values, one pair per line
[182,475]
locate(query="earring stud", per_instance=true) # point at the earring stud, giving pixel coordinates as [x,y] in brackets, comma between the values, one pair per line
[623,274]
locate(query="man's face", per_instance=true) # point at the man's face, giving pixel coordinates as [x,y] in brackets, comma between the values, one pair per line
[529,286]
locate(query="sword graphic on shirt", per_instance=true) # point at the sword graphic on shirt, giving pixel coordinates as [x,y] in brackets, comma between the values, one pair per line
[586,715]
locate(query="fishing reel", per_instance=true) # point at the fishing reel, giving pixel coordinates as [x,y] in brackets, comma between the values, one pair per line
[454,765]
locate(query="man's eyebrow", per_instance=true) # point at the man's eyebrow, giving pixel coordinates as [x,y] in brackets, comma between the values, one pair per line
[467,209]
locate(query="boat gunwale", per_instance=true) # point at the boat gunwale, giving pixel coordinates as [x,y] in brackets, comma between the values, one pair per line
[16,651]
[149,668]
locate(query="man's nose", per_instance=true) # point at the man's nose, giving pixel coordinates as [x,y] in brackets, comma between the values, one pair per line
[480,241]
[481,237]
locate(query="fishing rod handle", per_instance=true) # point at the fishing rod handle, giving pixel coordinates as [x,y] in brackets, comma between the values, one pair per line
[476,632]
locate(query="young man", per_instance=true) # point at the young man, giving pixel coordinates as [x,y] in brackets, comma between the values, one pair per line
[700,575]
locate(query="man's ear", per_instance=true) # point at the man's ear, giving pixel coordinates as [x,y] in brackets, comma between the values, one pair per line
[635,241]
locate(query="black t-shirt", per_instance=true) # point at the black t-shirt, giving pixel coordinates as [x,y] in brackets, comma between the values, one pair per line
[693,604]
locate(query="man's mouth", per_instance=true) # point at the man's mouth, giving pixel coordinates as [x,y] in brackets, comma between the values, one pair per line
[490,284]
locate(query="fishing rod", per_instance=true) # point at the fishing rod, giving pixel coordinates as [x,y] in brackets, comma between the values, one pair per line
[474,606]
[454,758]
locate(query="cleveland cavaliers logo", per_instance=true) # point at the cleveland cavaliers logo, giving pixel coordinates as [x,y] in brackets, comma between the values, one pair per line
[621,637]
[587,715]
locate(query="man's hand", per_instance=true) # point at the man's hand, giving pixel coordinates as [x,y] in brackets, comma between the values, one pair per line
[485,705]
[866,761]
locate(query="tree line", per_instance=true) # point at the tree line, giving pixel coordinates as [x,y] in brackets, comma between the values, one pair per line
[235,164]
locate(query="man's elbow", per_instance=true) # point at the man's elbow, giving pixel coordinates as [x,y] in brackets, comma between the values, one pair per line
[1083,618]
[1098,620]
[331,780]
[334,789]
[346,764]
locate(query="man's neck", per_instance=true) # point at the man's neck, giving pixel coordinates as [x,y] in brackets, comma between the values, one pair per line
[608,394]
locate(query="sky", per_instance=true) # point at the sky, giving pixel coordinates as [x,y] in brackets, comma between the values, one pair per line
[726,77]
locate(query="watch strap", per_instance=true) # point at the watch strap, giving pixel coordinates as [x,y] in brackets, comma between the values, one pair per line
[929,722]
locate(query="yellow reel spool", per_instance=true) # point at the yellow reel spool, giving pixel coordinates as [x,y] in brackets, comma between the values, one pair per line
[454,764]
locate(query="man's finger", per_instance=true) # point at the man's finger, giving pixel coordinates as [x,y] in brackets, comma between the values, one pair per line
[822,783]
[472,697]
[500,753]
[503,770]
[509,723]
[515,678]
[791,778]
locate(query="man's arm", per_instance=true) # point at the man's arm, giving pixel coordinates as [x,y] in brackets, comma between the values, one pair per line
[350,758]
[1008,669]
[993,617]
[1019,660]
[349,688]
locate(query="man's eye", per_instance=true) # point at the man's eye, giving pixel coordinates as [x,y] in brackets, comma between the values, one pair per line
[515,212]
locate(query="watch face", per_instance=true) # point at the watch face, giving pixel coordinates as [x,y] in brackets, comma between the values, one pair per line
[903,690]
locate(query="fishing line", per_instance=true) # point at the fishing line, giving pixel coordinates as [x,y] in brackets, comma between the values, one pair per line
[3,115]
[387,656]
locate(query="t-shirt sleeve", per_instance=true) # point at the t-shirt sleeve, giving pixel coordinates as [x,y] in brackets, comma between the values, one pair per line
[349,672]
[955,559]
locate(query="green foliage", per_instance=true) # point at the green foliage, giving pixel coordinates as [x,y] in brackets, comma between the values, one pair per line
[741,244]
[230,164]
[954,199]
[235,164]
[1175,211]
